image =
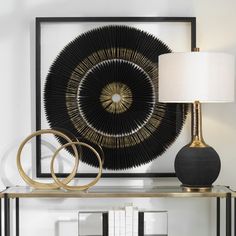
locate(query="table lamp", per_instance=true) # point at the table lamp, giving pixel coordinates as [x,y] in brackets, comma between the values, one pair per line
[196,77]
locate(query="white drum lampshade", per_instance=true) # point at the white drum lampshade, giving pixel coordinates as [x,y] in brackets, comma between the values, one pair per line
[196,76]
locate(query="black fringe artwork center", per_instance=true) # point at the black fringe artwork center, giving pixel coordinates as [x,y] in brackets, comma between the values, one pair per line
[135,98]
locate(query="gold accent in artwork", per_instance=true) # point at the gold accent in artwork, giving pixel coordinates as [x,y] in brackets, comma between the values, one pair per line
[116,97]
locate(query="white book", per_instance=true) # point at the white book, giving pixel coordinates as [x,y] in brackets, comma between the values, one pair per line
[135,221]
[129,220]
[111,223]
[117,223]
[122,222]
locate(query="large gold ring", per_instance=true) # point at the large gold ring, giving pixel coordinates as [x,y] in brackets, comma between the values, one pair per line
[39,185]
[64,185]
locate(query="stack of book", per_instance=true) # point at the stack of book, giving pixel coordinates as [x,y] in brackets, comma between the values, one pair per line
[123,222]
[126,221]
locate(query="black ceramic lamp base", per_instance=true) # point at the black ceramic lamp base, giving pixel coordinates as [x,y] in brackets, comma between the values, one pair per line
[197,167]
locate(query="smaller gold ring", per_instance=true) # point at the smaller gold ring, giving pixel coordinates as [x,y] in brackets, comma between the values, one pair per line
[76,188]
[39,185]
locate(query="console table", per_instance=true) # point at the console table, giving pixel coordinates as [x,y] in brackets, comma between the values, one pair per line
[17,193]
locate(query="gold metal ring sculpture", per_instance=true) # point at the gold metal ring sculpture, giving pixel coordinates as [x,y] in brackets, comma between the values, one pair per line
[39,185]
[82,187]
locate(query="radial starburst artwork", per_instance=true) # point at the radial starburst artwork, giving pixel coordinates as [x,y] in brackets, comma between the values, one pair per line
[103,88]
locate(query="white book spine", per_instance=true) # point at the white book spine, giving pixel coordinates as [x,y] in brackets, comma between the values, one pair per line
[122,223]
[129,221]
[111,223]
[135,221]
[117,223]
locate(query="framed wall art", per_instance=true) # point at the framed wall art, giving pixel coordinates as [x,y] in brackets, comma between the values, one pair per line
[97,78]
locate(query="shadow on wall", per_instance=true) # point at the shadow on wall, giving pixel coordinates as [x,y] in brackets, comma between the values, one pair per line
[8,161]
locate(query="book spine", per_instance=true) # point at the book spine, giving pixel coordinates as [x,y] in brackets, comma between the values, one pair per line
[111,223]
[135,221]
[117,223]
[129,221]
[122,223]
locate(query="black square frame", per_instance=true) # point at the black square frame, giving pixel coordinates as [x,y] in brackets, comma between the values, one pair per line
[39,21]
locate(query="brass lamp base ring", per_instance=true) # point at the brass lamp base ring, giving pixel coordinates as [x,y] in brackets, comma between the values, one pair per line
[196,189]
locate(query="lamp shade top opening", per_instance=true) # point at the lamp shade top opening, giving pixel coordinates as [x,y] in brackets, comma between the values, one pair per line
[196,76]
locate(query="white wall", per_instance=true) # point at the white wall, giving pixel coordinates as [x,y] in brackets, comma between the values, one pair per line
[216,31]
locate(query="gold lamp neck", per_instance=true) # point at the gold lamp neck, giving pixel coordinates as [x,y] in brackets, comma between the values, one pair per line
[197,138]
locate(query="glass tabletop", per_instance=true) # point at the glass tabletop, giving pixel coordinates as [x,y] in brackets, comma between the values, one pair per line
[118,192]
